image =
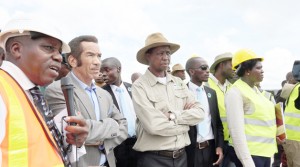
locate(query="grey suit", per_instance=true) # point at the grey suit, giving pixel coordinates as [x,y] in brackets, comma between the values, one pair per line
[105,131]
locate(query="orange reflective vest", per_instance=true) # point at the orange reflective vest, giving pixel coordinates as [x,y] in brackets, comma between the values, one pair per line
[27,141]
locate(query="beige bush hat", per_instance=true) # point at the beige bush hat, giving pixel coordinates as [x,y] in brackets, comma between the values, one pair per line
[220,58]
[177,67]
[23,25]
[152,41]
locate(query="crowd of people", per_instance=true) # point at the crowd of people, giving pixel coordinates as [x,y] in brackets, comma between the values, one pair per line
[220,117]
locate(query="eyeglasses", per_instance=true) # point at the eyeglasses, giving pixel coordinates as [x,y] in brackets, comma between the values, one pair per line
[203,67]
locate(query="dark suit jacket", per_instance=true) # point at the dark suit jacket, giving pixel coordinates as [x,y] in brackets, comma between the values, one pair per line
[108,88]
[216,125]
[125,155]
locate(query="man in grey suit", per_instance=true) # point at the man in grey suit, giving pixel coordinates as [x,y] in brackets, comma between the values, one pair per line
[108,128]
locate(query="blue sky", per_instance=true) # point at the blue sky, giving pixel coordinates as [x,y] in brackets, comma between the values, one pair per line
[202,27]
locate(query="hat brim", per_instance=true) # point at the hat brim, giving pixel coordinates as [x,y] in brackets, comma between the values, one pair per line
[4,36]
[141,53]
[213,66]
[176,71]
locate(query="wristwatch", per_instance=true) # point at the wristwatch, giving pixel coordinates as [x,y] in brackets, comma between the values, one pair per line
[171,116]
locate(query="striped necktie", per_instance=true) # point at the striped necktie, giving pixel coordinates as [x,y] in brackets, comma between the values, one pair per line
[47,115]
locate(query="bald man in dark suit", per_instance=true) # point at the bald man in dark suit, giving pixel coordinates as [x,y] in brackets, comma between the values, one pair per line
[207,137]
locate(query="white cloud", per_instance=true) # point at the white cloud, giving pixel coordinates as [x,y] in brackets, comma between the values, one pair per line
[277,63]
[203,27]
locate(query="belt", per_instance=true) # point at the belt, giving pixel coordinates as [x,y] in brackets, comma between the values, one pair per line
[202,145]
[171,154]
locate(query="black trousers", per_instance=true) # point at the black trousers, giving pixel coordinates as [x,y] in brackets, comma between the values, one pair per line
[125,155]
[148,159]
[258,160]
[233,157]
[226,159]
[261,161]
[207,156]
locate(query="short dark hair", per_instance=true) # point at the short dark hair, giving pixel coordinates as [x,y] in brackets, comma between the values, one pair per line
[247,65]
[76,48]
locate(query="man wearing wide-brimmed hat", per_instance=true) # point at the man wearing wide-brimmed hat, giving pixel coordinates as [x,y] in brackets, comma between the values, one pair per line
[221,71]
[178,71]
[164,106]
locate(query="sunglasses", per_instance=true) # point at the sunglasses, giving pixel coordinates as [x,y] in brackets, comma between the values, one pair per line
[203,67]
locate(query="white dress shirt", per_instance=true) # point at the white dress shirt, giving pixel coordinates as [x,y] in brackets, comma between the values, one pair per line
[207,115]
[127,98]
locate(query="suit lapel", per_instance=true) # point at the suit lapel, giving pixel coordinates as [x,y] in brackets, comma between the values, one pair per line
[212,107]
[83,98]
[128,88]
[104,105]
[108,88]
[208,95]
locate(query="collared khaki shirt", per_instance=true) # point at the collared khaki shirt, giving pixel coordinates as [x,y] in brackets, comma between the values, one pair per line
[151,99]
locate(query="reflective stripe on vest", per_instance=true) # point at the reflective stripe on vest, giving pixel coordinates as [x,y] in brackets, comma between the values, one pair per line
[260,127]
[25,143]
[296,115]
[221,105]
[18,141]
[292,116]
[260,139]
[260,122]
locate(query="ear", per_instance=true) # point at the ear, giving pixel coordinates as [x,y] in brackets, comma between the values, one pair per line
[15,49]
[247,72]
[72,61]
[119,69]
[191,72]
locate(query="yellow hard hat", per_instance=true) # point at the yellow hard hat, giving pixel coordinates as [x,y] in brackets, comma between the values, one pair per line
[243,55]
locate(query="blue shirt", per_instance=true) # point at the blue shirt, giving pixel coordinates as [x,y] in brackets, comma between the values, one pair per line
[91,92]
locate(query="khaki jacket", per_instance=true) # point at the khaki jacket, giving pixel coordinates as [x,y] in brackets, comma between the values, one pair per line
[151,100]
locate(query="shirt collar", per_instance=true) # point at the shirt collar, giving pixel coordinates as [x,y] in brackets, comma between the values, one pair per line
[83,85]
[226,83]
[193,86]
[154,80]
[18,75]
[114,87]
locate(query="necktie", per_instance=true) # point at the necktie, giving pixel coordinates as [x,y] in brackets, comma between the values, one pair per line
[202,127]
[47,115]
[126,112]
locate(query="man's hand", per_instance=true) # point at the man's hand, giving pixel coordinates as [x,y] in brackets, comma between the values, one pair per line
[76,134]
[219,152]
[280,142]
[189,106]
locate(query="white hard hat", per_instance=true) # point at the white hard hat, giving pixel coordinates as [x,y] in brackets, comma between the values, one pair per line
[23,26]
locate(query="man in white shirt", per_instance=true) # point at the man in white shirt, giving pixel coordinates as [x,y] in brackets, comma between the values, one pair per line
[207,137]
[120,91]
